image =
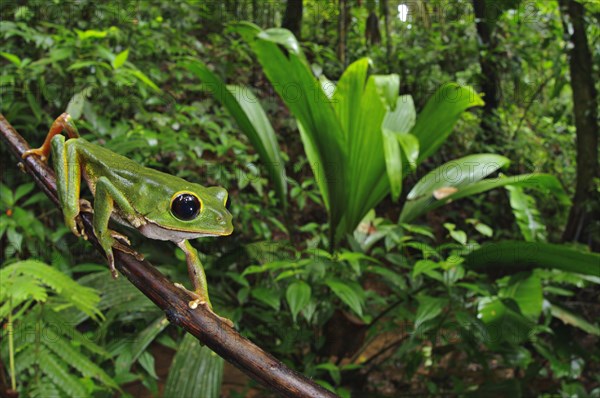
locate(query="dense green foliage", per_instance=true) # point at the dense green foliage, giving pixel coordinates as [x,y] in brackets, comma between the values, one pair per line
[383,243]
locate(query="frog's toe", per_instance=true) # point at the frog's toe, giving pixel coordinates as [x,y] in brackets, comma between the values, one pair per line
[195,303]
[111,264]
[85,206]
[121,237]
[38,151]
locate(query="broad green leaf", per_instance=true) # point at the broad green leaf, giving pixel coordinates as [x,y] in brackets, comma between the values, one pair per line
[504,322]
[320,129]
[527,215]
[402,118]
[12,58]
[400,148]
[442,183]
[527,292]
[349,294]
[252,120]
[196,371]
[23,190]
[410,146]
[575,320]
[120,59]
[77,102]
[298,296]
[267,296]
[515,256]
[429,308]
[426,267]
[436,121]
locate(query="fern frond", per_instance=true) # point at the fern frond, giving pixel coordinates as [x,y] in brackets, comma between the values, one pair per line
[44,388]
[71,332]
[59,373]
[83,298]
[76,359]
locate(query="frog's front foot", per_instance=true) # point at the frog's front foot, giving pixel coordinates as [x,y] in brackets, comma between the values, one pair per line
[40,152]
[199,300]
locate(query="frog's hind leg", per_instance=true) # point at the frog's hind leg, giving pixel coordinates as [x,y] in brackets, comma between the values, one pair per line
[63,122]
[68,181]
[104,201]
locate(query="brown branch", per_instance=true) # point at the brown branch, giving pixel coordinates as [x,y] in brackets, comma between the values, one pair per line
[201,323]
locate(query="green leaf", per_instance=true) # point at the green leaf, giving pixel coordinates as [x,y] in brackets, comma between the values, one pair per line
[426,267]
[298,296]
[437,186]
[527,215]
[504,322]
[320,129]
[389,276]
[252,120]
[82,298]
[12,58]
[120,59]
[515,256]
[436,122]
[402,118]
[267,296]
[6,196]
[429,308]
[60,375]
[147,336]
[23,190]
[195,372]
[144,79]
[77,102]
[74,357]
[527,293]
[349,294]
[147,362]
[573,319]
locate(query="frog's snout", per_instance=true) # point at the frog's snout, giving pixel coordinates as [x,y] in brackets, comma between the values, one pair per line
[223,221]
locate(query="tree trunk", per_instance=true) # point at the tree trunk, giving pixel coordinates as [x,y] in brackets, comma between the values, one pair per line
[343,20]
[255,12]
[385,8]
[585,210]
[292,19]
[490,77]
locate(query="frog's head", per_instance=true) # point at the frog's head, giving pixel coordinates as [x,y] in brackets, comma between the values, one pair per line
[193,212]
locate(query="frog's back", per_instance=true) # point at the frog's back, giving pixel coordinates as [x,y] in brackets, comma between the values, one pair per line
[128,176]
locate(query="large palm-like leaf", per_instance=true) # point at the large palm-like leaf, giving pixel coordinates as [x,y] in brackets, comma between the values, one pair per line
[359,139]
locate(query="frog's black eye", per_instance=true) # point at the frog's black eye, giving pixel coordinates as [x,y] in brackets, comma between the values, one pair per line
[227,202]
[185,206]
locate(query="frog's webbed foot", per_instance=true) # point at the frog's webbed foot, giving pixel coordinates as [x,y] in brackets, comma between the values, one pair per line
[199,300]
[40,152]
[122,243]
